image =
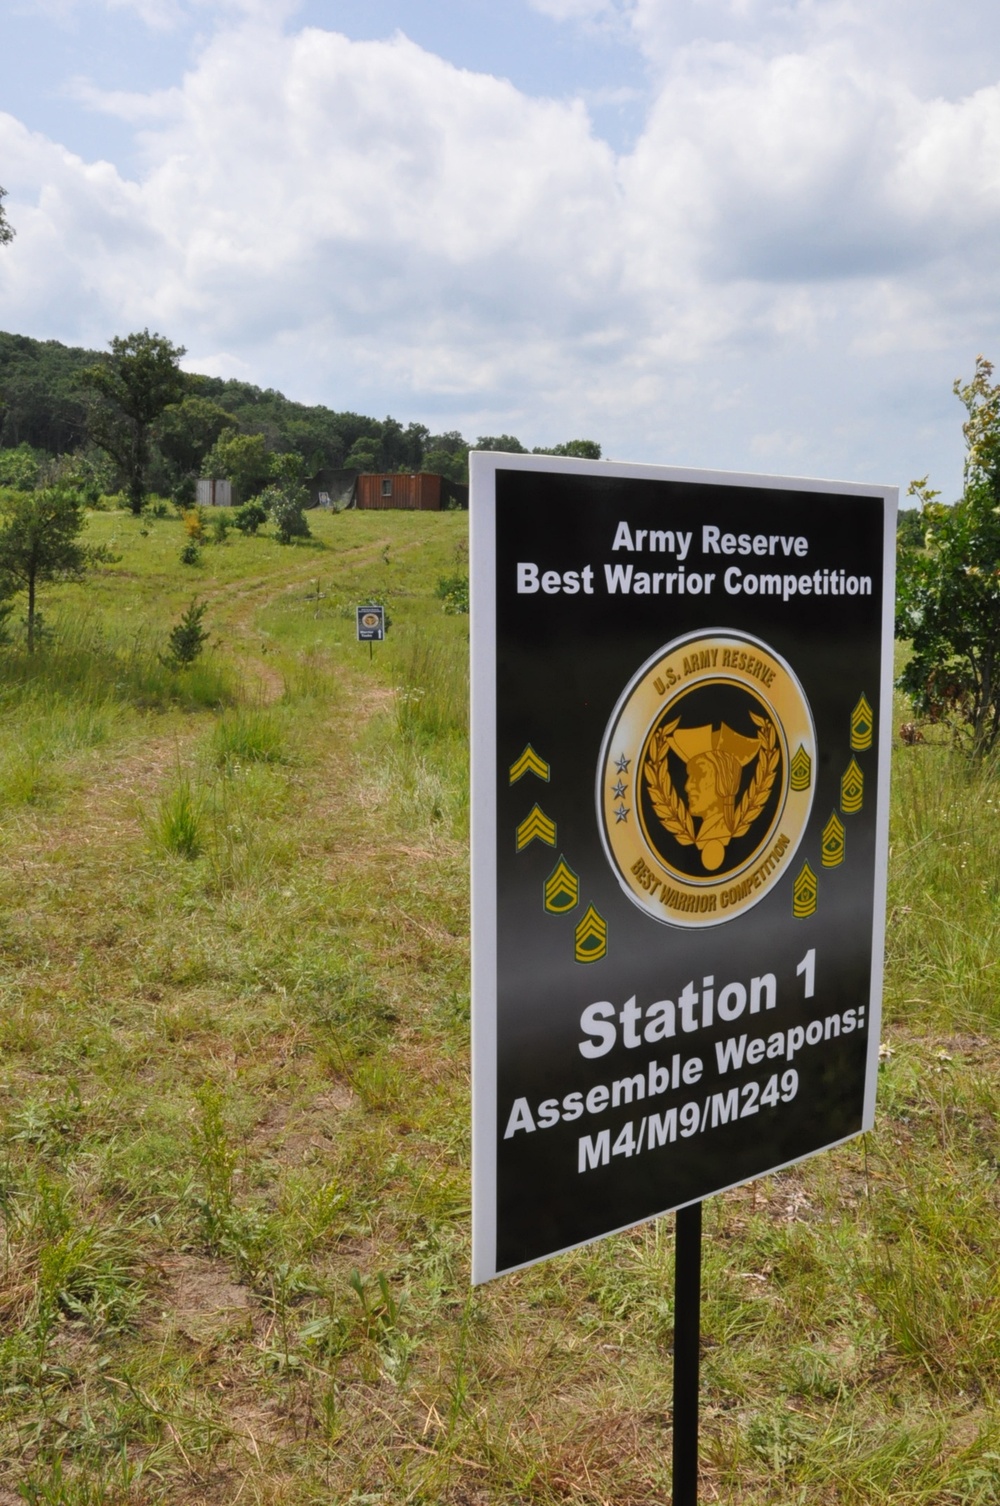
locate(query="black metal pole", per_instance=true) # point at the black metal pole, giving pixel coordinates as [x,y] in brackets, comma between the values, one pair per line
[687,1345]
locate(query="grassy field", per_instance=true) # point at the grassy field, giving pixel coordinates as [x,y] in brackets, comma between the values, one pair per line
[234,1175]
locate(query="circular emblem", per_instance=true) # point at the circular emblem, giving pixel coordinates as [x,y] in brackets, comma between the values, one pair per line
[370,620]
[706,778]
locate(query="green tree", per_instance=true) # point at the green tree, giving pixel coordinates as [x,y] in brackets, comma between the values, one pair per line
[582,449]
[948,595]
[39,541]
[285,507]
[131,388]
[287,469]
[187,637]
[909,522]
[505,442]
[448,455]
[364,455]
[244,459]
[6,228]
[187,431]
[20,468]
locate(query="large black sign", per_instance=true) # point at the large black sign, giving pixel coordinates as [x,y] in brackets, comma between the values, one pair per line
[681,697]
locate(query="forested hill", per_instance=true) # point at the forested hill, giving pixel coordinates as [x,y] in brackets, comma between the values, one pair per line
[43,404]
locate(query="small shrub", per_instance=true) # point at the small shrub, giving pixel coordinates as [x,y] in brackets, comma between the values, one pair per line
[220,527]
[285,504]
[194,524]
[177,826]
[453,591]
[191,554]
[249,517]
[187,637]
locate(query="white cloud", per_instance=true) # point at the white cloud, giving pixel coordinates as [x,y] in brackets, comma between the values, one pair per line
[363,222]
[573,10]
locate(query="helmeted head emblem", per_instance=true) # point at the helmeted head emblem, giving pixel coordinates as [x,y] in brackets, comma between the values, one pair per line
[700,803]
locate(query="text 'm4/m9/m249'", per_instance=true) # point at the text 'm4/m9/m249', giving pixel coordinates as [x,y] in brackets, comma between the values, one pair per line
[681,703]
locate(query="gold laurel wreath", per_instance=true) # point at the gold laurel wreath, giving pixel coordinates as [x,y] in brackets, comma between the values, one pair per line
[669,807]
[759,788]
[674,815]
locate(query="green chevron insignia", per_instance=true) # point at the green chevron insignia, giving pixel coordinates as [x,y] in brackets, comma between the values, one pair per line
[862,726]
[591,937]
[562,889]
[801,769]
[852,789]
[833,842]
[804,894]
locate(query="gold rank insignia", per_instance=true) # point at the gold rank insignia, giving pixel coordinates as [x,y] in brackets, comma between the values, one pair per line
[862,726]
[801,769]
[562,889]
[804,893]
[700,803]
[591,937]
[536,826]
[852,789]
[834,843]
[529,763]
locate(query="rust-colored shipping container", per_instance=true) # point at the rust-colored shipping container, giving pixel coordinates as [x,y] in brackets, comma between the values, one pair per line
[418,492]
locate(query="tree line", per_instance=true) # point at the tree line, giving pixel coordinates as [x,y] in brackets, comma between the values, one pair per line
[134,421]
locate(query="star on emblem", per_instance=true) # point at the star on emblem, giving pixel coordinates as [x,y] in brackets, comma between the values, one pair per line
[621,814]
[622,764]
[618,791]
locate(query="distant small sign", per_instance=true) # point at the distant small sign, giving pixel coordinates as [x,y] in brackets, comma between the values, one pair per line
[371,624]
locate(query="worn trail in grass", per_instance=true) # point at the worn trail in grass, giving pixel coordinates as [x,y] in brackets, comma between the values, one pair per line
[234,1184]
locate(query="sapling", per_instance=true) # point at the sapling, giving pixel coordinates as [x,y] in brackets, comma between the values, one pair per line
[187,638]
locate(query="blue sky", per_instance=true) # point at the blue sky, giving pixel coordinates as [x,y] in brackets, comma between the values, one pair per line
[754,234]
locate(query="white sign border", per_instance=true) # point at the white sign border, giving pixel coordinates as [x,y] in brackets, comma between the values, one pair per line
[483,466]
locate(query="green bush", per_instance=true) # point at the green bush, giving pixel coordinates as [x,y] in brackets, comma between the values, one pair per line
[20,468]
[285,507]
[249,517]
[453,591]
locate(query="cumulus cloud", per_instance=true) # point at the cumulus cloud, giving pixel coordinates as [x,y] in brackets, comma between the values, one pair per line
[363,219]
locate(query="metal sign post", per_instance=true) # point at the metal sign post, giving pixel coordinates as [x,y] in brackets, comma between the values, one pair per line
[687,1353]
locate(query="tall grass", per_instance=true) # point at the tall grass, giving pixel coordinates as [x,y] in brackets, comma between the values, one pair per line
[248,735]
[432,694]
[94,665]
[258,1288]
[177,826]
[943,942]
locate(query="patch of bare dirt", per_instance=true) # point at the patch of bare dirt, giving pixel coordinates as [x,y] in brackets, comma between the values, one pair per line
[199,1299]
[298,1135]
